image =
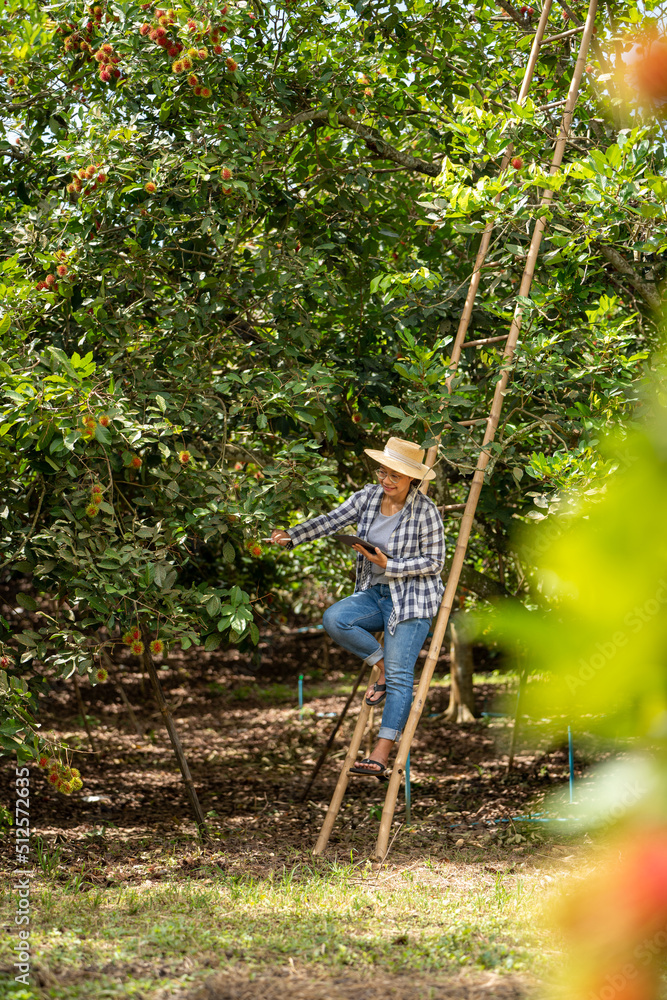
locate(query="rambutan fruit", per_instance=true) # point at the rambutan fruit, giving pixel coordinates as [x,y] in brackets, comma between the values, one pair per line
[76,773]
[157,647]
[53,778]
[217,49]
[43,761]
[92,510]
[116,74]
[184,457]
[107,48]
[160,32]
[50,280]
[136,633]
[164,22]
[186,63]
[76,784]
[104,422]
[223,29]
[90,170]
[137,647]
[105,75]
[62,270]
[232,65]
[136,462]
[82,173]
[160,13]
[150,187]
[66,788]
[128,638]
[101,675]
[76,184]
[256,550]
[226,175]
[177,67]
[99,56]
[202,53]
[193,53]
[205,92]
[101,178]
[145,28]
[196,91]
[115,60]
[153,35]
[191,25]
[172,51]
[192,80]
[164,42]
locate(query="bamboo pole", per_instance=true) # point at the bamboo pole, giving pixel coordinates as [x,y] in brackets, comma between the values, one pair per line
[482,462]
[202,829]
[343,777]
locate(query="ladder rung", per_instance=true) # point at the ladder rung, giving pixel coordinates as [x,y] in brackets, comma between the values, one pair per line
[554,104]
[487,340]
[563,34]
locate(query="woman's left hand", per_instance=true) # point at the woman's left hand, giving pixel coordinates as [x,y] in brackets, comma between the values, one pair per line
[379,558]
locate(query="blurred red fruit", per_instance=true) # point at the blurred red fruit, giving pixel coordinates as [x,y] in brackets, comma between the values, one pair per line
[232,65]
[136,462]
[150,187]
[226,174]
[356,418]
[62,270]
[650,71]
[517,163]
[50,280]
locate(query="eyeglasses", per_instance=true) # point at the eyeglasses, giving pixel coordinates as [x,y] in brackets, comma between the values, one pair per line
[381,474]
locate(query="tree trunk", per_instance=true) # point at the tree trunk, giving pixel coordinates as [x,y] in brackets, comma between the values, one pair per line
[461,698]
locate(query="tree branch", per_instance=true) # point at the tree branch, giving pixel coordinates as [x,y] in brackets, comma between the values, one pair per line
[646,289]
[509,9]
[371,136]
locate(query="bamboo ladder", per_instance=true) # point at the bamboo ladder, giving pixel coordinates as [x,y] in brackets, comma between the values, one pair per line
[398,769]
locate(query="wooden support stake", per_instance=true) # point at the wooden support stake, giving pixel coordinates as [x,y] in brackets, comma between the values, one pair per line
[343,777]
[517,717]
[484,455]
[114,672]
[202,829]
[82,712]
[335,729]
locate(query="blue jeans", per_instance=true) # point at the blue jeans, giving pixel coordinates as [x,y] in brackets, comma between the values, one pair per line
[350,623]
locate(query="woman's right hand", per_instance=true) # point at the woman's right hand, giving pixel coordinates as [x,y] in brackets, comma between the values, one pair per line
[280,537]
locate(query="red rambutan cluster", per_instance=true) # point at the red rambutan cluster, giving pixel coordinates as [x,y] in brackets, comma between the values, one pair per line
[66,779]
[87,174]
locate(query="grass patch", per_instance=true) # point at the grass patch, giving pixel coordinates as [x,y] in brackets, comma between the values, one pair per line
[324,916]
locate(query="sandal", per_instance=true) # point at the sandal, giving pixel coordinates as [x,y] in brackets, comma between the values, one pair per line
[372,774]
[377,688]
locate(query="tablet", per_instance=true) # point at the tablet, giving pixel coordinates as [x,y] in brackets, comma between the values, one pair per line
[353,540]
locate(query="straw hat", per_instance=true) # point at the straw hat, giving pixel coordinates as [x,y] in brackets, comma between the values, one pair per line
[403,456]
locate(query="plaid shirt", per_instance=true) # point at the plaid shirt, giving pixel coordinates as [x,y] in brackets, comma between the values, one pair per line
[417,545]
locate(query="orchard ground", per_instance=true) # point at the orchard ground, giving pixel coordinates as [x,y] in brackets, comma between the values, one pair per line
[127,903]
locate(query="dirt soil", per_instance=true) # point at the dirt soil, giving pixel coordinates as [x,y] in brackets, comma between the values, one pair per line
[251,755]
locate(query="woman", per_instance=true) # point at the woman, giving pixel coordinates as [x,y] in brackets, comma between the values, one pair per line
[397,592]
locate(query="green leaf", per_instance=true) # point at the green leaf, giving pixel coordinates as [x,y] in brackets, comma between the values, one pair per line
[27,602]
